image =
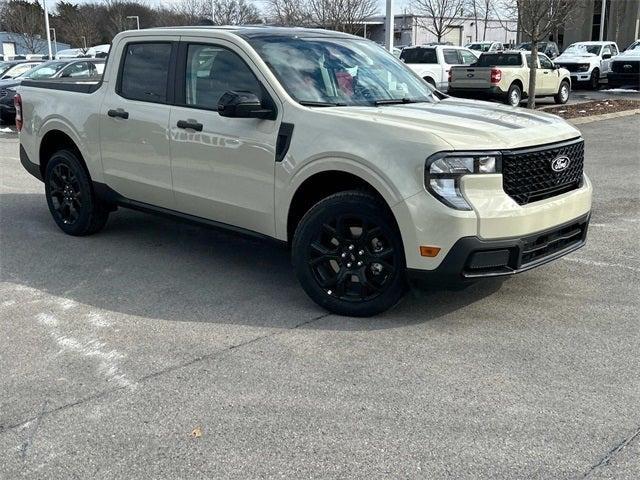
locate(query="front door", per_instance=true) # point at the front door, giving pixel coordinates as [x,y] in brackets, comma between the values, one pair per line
[223,168]
[134,123]
[549,77]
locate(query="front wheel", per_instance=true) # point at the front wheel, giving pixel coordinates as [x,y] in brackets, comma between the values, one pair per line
[563,93]
[514,96]
[348,255]
[594,80]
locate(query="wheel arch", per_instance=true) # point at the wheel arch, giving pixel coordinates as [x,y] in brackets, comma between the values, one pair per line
[321,184]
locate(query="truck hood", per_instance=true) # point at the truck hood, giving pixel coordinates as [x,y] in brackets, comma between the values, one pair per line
[469,124]
[576,58]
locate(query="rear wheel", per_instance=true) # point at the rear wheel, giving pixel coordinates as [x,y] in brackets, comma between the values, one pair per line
[70,197]
[348,255]
[514,95]
[563,93]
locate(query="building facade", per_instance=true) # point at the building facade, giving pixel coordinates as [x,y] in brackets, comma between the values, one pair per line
[621,23]
[12,44]
[415,30]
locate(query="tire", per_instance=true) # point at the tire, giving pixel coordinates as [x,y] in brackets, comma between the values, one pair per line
[348,255]
[594,81]
[563,93]
[70,197]
[514,95]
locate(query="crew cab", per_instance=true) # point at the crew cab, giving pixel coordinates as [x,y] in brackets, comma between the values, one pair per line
[433,63]
[625,68]
[506,76]
[588,62]
[319,140]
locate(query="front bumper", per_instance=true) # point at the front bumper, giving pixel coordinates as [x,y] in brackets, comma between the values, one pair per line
[580,77]
[615,79]
[481,93]
[472,258]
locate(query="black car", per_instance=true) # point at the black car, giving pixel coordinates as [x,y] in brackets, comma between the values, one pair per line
[72,68]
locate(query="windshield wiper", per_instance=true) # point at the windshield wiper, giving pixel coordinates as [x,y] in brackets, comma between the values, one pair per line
[310,103]
[396,101]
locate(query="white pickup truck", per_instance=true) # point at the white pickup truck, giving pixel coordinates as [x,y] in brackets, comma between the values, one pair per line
[505,76]
[588,62]
[433,62]
[320,140]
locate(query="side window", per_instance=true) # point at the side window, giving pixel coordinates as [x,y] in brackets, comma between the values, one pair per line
[605,50]
[545,62]
[451,57]
[529,62]
[212,71]
[467,57]
[145,70]
[80,69]
[614,50]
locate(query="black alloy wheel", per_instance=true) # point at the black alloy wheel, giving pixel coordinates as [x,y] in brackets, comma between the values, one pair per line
[349,256]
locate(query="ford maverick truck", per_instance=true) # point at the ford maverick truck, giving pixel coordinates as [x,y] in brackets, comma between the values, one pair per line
[320,140]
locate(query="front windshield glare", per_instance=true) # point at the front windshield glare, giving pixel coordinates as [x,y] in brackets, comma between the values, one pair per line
[340,71]
[581,49]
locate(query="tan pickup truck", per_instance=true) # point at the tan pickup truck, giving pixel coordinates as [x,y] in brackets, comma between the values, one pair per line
[505,75]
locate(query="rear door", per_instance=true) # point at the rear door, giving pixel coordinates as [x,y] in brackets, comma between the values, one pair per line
[223,168]
[548,77]
[134,122]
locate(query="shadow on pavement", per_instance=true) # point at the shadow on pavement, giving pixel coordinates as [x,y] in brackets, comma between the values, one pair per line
[152,267]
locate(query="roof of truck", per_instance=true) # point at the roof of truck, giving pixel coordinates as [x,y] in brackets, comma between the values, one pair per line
[255,31]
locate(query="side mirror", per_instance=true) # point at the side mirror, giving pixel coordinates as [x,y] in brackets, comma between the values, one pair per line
[606,56]
[242,105]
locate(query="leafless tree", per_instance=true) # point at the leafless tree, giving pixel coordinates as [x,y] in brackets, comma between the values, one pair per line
[234,12]
[537,19]
[24,21]
[288,13]
[480,10]
[440,16]
[341,15]
[77,24]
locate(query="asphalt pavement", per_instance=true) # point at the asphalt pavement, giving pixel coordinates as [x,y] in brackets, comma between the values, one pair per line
[157,350]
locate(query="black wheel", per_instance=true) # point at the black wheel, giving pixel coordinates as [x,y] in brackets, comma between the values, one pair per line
[563,93]
[594,81]
[70,196]
[348,255]
[514,95]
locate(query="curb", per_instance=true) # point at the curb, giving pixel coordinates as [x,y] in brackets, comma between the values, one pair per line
[604,116]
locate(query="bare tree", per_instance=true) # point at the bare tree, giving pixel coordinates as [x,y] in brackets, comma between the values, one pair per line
[288,13]
[234,12]
[341,15]
[76,24]
[537,19]
[440,16]
[24,21]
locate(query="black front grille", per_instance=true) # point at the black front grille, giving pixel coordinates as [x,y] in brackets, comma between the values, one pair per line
[574,67]
[528,176]
[536,248]
[626,66]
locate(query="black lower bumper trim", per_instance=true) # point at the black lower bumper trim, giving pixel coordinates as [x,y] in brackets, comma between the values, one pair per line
[472,258]
[32,168]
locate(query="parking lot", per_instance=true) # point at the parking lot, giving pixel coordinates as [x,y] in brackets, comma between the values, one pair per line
[162,350]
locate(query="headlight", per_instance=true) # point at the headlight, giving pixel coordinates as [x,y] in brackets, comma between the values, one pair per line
[442,174]
[583,68]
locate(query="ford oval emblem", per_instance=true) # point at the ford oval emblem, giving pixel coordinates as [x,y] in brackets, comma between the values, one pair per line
[560,163]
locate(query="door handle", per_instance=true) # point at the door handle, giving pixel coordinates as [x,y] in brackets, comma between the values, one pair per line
[190,124]
[119,113]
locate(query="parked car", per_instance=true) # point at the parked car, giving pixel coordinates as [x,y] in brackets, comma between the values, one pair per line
[485,46]
[18,68]
[80,68]
[433,63]
[70,53]
[588,62]
[506,76]
[99,51]
[550,49]
[315,138]
[625,68]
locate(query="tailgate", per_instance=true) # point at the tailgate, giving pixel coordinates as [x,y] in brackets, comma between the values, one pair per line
[471,77]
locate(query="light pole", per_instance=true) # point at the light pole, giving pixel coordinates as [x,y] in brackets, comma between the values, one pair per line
[603,16]
[137,20]
[84,43]
[390,26]
[46,26]
[55,41]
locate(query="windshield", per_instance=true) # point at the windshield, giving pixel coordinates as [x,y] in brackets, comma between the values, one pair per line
[419,55]
[45,70]
[633,46]
[340,71]
[581,49]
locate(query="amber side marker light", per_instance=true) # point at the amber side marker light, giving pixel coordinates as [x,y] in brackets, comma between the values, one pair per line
[428,251]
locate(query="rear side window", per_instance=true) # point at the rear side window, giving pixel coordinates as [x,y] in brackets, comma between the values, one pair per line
[500,60]
[451,57]
[419,55]
[145,70]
